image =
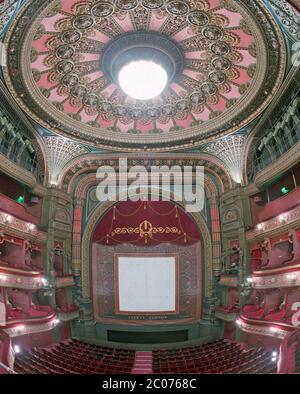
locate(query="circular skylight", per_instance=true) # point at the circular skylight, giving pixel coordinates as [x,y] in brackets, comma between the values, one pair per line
[143,80]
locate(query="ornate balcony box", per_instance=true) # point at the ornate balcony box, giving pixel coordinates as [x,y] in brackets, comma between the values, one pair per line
[278,277]
[67,312]
[15,328]
[64,281]
[21,279]
[262,327]
[229,280]
[228,315]
[67,316]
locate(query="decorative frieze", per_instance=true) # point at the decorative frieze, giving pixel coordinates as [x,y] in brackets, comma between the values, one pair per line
[279,223]
[64,281]
[30,326]
[280,277]
[263,328]
[20,228]
[16,278]
[68,316]
[229,280]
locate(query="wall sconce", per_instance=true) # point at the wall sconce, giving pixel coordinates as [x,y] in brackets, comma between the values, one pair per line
[238,322]
[20,328]
[260,227]
[8,219]
[31,227]
[282,218]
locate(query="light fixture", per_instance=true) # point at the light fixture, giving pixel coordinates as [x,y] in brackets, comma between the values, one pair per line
[282,218]
[31,226]
[8,219]
[285,190]
[260,226]
[143,79]
[17,349]
[3,277]
[20,199]
[291,277]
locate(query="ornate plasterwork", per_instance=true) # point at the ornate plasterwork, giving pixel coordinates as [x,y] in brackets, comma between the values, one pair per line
[20,228]
[22,280]
[225,316]
[7,8]
[31,326]
[59,151]
[278,224]
[64,281]
[67,316]
[86,252]
[227,96]
[277,278]
[264,328]
[91,162]
[229,280]
[231,151]
[288,16]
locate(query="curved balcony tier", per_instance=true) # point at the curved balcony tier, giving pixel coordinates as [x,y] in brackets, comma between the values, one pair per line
[21,279]
[17,327]
[288,276]
[268,328]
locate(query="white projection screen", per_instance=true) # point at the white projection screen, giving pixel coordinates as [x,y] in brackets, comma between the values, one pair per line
[146,284]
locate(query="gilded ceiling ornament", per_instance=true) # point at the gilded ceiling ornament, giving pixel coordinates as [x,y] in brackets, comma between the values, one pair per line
[215,55]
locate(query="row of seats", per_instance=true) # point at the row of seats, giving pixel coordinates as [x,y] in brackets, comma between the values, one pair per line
[217,357]
[75,357]
[272,305]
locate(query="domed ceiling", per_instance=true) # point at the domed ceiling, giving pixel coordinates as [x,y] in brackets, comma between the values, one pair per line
[226,58]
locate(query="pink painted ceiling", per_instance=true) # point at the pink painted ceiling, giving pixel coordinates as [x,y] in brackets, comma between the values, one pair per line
[220,60]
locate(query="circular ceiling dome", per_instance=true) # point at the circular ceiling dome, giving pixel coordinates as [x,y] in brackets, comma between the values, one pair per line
[142,63]
[143,79]
[67,59]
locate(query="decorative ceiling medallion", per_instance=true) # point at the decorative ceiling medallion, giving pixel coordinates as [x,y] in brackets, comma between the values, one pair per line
[223,67]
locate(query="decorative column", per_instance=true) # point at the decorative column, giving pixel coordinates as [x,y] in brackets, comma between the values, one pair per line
[216,235]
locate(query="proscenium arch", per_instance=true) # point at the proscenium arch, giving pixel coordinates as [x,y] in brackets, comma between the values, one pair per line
[104,208]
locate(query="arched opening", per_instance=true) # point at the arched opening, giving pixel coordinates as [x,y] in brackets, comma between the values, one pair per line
[147,261]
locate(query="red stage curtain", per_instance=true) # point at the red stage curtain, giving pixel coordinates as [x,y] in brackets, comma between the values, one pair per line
[146,223]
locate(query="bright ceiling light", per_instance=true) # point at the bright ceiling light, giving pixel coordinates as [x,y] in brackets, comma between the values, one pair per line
[143,80]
